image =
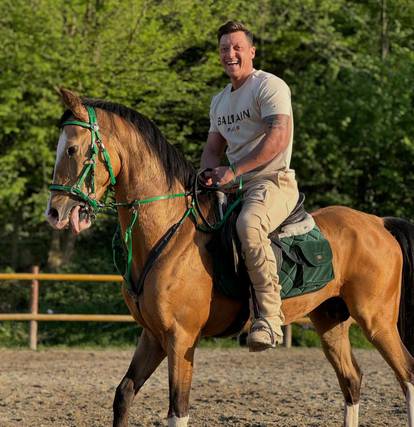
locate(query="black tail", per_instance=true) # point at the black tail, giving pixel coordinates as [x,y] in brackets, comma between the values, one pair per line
[403,231]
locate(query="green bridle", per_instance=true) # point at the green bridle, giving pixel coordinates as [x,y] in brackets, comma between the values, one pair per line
[90,164]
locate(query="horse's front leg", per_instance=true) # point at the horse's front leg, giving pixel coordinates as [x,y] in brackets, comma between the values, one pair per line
[181,347]
[147,357]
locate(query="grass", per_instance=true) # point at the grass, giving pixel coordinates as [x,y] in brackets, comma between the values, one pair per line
[219,343]
[305,336]
[302,336]
[15,335]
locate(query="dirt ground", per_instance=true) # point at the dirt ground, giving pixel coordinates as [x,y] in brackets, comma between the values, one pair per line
[232,387]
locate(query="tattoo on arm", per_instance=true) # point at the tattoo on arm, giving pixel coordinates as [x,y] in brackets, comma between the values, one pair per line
[280,121]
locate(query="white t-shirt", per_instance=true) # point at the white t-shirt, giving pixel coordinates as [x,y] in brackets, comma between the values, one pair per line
[238,116]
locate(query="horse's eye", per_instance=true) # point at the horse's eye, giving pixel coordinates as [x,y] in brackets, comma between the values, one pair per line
[72,150]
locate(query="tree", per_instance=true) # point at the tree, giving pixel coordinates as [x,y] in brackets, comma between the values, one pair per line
[349,65]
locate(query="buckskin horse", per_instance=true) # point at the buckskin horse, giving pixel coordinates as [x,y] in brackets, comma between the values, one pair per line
[372,258]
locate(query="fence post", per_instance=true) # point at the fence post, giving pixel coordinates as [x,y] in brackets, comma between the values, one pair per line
[287,336]
[34,309]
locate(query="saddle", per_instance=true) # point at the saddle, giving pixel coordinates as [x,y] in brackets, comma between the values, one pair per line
[303,256]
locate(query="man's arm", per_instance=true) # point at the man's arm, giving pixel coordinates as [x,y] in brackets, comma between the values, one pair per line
[213,150]
[279,128]
[211,156]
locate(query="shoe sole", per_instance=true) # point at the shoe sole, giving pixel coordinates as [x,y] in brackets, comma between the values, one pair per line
[255,347]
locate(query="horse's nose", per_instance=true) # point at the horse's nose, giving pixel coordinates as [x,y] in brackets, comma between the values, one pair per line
[54,218]
[53,214]
[58,211]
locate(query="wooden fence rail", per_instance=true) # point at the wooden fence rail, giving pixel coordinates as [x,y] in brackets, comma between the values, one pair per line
[34,316]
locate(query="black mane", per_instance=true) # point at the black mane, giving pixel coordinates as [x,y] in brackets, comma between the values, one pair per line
[175,165]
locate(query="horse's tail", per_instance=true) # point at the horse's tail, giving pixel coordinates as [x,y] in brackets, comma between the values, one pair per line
[403,231]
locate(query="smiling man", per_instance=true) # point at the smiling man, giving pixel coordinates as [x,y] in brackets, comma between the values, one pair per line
[251,120]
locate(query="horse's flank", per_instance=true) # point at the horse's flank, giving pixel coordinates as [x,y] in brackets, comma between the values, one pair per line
[359,242]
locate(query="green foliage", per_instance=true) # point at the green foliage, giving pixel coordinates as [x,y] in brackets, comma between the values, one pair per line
[306,336]
[14,334]
[218,343]
[358,339]
[351,72]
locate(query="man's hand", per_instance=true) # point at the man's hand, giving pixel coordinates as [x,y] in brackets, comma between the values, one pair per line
[206,177]
[219,176]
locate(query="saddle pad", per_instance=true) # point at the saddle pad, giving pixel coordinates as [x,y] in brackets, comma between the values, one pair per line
[312,271]
[315,269]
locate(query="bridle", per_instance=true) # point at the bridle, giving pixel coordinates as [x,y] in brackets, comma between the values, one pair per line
[88,170]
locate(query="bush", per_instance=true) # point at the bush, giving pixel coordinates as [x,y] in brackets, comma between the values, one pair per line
[306,336]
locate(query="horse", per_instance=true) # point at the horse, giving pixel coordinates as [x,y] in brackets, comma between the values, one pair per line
[372,259]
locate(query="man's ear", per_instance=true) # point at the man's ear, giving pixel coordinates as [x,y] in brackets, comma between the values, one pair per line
[253,51]
[72,101]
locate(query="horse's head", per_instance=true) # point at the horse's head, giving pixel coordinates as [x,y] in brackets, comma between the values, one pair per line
[84,167]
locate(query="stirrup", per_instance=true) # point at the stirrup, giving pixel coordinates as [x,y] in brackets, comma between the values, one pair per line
[255,346]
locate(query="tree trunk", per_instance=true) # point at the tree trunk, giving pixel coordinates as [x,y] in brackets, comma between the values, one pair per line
[385,43]
[61,249]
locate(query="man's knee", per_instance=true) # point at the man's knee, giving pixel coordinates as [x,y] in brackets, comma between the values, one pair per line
[249,227]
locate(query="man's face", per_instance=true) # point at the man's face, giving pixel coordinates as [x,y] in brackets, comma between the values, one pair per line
[236,55]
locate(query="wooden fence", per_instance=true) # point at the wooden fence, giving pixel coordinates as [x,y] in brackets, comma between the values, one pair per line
[34,316]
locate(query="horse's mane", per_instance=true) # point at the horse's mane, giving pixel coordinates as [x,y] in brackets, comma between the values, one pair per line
[175,165]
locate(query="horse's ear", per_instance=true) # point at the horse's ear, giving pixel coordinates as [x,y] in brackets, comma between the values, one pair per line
[74,103]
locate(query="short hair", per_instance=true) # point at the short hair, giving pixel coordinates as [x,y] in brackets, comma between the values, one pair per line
[233,27]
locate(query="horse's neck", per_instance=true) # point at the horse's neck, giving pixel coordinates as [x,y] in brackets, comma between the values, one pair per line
[142,177]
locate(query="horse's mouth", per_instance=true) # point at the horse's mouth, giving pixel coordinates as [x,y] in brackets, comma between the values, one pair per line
[79,219]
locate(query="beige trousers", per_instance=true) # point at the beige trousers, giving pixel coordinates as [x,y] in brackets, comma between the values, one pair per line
[267,202]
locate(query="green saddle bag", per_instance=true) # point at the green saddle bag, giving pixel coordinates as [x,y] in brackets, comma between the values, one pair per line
[309,267]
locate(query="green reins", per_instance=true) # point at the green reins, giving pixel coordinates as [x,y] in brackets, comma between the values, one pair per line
[88,173]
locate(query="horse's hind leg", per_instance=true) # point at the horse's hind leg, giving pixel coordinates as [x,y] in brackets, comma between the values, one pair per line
[334,336]
[383,333]
[147,357]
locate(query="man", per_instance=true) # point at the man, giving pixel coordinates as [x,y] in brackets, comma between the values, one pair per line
[251,119]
